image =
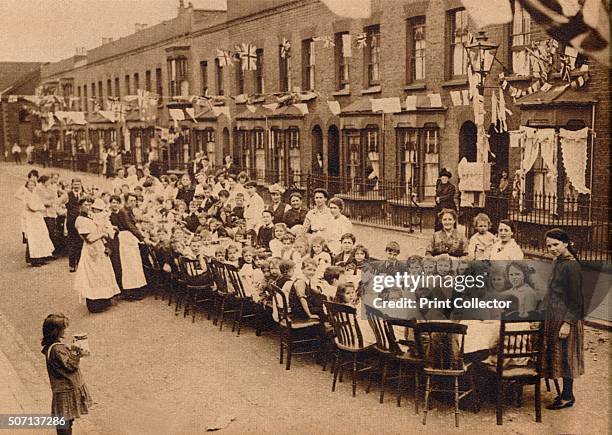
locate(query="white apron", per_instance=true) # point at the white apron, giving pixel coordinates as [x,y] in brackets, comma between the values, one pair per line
[94,278]
[35,229]
[132,273]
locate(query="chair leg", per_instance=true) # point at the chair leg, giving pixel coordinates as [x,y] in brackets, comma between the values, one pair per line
[474,393]
[289,349]
[538,401]
[557,387]
[382,383]
[222,314]
[280,342]
[499,402]
[427,390]
[354,374]
[547,382]
[240,317]
[456,401]
[399,385]
[417,390]
[335,370]
[370,375]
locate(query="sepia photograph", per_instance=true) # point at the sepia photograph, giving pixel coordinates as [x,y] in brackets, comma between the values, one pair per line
[305,216]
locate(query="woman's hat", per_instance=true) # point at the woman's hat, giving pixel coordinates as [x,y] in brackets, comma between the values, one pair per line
[98,204]
[445,173]
[276,188]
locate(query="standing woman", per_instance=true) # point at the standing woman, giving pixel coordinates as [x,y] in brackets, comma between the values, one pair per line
[95,279]
[71,199]
[445,195]
[448,240]
[38,246]
[563,353]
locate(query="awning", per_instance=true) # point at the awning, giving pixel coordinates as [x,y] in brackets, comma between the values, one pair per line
[556,107]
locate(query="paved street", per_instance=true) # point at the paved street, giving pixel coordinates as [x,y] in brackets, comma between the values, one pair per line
[153,373]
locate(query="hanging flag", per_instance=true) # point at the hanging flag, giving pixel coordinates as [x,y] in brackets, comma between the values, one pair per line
[350,9]
[248,55]
[435,100]
[584,25]
[327,41]
[465,96]
[218,110]
[285,48]
[271,107]
[224,57]
[334,107]
[12,98]
[176,114]
[191,112]
[251,108]
[361,40]
[411,102]
[347,50]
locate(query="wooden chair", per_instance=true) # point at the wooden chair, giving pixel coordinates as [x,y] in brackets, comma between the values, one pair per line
[246,307]
[443,360]
[390,352]
[178,283]
[348,342]
[518,340]
[292,332]
[198,286]
[151,269]
[224,292]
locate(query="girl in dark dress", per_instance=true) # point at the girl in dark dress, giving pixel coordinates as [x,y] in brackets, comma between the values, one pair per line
[71,398]
[563,351]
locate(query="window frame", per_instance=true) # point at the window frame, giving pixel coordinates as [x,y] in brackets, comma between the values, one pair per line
[308,64]
[126,82]
[259,71]
[148,83]
[342,64]
[284,71]
[412,24]
[219,77]
[159,84]
[239,78]
[454,44]
[371,55]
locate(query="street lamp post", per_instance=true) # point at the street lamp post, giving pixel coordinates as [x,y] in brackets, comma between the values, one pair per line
[481,54]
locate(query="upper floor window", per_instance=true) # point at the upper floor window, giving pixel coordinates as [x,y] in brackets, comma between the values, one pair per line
[109,88]
[259,72]
[520,39]
[284,67]
[86,98]
[343,51]
[127,85]
[178,83]
[136,82]
[158,82]
[148,85]
[204,77]
[80,106]
[117,88]
[219,77]
[371,53]
[308,64]
[457,36]
[416,45]
[239,78]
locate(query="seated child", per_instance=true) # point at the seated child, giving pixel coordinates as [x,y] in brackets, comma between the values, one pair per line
[479,247]
[346,294]
[319,254]
[266,231]
[304,302]
[276,244]
[518,275]
[347,245]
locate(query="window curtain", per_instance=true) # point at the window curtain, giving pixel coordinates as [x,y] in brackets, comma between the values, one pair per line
[530,154]
[574,152]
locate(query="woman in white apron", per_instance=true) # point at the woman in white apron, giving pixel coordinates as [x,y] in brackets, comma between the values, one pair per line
[38,246]
[95,279]
[132,273]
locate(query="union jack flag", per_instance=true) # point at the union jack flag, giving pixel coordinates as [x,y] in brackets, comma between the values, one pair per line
[285,48]
[248,55]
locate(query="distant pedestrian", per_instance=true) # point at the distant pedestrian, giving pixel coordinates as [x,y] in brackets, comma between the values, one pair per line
[71,398]
[16,151]
[29,154]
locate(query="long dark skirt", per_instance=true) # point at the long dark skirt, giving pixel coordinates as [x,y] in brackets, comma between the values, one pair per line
[98,305]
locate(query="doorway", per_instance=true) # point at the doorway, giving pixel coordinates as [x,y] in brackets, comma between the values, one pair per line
[333,152]
[317,151]
[467,141]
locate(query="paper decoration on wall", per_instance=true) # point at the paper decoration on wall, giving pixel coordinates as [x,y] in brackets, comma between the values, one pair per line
[218,110]
[361,40]
[191,112]
[327,40]
[12,98]
[435,100]
[225,58]
[251,108]
[334,107]
[386,105]
[272,106]
[411,102]
[302,107]
[285,48]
